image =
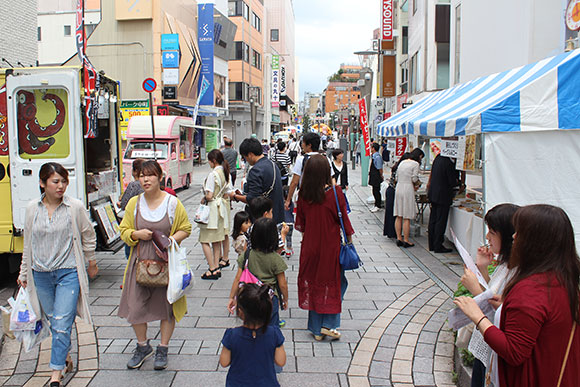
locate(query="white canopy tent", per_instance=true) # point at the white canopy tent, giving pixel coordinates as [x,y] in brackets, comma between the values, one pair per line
[529,119]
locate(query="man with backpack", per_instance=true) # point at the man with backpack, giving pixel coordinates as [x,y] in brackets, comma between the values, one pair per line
[282,160]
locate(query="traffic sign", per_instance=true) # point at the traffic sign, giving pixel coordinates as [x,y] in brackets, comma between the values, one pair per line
[149,85]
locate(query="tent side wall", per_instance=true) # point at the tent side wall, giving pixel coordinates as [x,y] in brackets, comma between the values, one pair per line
[532,168]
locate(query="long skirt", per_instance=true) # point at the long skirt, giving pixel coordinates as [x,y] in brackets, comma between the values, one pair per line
[316,321]
[389,224]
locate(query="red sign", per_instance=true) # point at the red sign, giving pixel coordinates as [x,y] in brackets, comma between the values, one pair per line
[387,20]
[345,120]
[162,110]
[401,146]
[387,115]
[364,125]
[401,99]
[149,85]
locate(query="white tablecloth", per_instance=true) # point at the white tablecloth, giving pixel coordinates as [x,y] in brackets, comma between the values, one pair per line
[468,228]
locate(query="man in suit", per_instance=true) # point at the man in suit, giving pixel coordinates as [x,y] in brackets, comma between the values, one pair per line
[444,178]
[263,178]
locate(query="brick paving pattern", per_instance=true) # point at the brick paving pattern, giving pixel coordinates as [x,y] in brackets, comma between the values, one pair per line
[393,321]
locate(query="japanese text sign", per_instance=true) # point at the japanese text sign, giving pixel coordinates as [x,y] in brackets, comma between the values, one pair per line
[401,146]
[364,125]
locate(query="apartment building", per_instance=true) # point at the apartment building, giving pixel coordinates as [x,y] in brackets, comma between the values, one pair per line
[246,71]
[18,28]
[340,96]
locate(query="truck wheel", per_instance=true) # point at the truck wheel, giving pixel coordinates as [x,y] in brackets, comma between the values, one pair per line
[187,181]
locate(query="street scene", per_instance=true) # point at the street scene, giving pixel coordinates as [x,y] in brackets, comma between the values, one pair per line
[282,193]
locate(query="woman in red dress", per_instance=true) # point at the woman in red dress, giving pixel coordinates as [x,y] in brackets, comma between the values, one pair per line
[537,341]
[321,282]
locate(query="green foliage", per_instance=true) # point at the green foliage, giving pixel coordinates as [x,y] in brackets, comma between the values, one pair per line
[306,123]
[467,357]
[454,377]
[462,291]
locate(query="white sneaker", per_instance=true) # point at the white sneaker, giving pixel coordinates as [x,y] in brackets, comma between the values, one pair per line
[374,209]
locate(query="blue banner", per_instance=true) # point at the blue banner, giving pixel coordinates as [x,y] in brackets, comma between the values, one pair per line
[205,26]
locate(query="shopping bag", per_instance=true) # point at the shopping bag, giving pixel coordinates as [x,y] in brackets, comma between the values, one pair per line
[202,214]
[180,274]
[6,322]
[22,317]
[384,186]
[32,338]
[247,277]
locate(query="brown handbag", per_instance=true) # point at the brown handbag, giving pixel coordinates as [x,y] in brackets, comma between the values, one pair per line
[151,273]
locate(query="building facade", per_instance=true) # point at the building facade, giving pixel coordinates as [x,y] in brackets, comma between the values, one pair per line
[18,28]
[246,71]
[341,96]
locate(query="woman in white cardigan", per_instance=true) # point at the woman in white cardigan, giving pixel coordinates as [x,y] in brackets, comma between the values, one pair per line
[59,240]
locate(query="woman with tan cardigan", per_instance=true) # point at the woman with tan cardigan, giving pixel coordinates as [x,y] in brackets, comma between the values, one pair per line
[59,240]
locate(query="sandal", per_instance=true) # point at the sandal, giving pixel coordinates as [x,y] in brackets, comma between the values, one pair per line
[213,274]
[332,333]
[318,337]
[68,366]
[223,263]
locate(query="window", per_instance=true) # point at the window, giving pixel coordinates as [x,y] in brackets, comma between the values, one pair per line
[274,35]
[239,91]
[415,6]
[404,77]
[39,34]
[242,51]
[256,59]
[256,22]
[238,8]
[405,40]
[415,83]
[66,30]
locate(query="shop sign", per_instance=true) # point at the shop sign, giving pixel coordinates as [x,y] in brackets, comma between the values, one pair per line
[162,110]
[400,146]
[169,92]
[387,20]
[386,115]
[170,76]
[573,15]
[364,124]
[401,99]
[205,29]
[282,80]
[389,75]
[449,148]
[275,81]
[169,42]
[170,59]
[391,145]
[130,109]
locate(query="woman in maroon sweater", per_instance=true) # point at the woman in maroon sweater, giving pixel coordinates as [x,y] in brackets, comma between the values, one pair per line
[540,312]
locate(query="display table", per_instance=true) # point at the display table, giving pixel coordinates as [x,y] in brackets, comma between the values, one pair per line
[467,227]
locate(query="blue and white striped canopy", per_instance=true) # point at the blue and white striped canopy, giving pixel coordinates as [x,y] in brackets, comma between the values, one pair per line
[539,96]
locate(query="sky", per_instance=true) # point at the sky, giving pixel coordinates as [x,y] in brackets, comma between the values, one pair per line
[327,34]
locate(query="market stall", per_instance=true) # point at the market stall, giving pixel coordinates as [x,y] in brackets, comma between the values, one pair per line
[527,121]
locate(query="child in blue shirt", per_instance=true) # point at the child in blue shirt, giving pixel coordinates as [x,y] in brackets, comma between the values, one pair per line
[252,349]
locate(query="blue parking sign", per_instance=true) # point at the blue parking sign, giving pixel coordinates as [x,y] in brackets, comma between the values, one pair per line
[170,59]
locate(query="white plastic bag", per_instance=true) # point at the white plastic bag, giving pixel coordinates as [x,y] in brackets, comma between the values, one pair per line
[180,274]
[22,317]
[32,338]
[384,186]
[202,214]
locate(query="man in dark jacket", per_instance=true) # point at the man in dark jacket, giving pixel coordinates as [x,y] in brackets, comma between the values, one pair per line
[263,178]
[444,178]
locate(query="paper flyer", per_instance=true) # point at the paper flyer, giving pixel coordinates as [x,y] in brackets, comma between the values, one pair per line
[458,319]
[468,260]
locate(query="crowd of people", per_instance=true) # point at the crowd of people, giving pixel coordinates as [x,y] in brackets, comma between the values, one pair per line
[529,340]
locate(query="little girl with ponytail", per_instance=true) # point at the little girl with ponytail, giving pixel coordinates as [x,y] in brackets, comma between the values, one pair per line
[252,349]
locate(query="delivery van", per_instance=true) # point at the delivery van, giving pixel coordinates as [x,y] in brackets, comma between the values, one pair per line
[174,147]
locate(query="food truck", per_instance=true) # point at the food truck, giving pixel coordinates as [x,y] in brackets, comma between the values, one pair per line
[42,119]
[173,143]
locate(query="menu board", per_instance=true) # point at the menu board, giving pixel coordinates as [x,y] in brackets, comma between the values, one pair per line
[466,153]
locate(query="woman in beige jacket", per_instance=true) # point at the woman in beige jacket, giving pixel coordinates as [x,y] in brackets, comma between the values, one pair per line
[54,262]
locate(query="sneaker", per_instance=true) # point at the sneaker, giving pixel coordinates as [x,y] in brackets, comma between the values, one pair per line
[374,209]
[282,323]
[160,358]
[140,354]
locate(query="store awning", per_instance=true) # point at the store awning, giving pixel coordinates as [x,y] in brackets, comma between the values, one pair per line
[540,96]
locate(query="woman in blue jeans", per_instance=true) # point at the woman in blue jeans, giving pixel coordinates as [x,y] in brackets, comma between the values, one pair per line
[59,241]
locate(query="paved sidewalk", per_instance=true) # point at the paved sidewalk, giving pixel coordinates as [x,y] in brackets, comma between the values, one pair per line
[393,321]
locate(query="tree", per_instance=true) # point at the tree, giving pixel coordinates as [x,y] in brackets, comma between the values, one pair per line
[306,123]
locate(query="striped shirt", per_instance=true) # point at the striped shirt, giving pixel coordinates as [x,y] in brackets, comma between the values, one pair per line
[283,158]
[52,239]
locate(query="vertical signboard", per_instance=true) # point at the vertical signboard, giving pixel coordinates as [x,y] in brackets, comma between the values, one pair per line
[400,146]
[282,80]
[387,20]
[205,26]
[364,125]
[130,109]
[275,81]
